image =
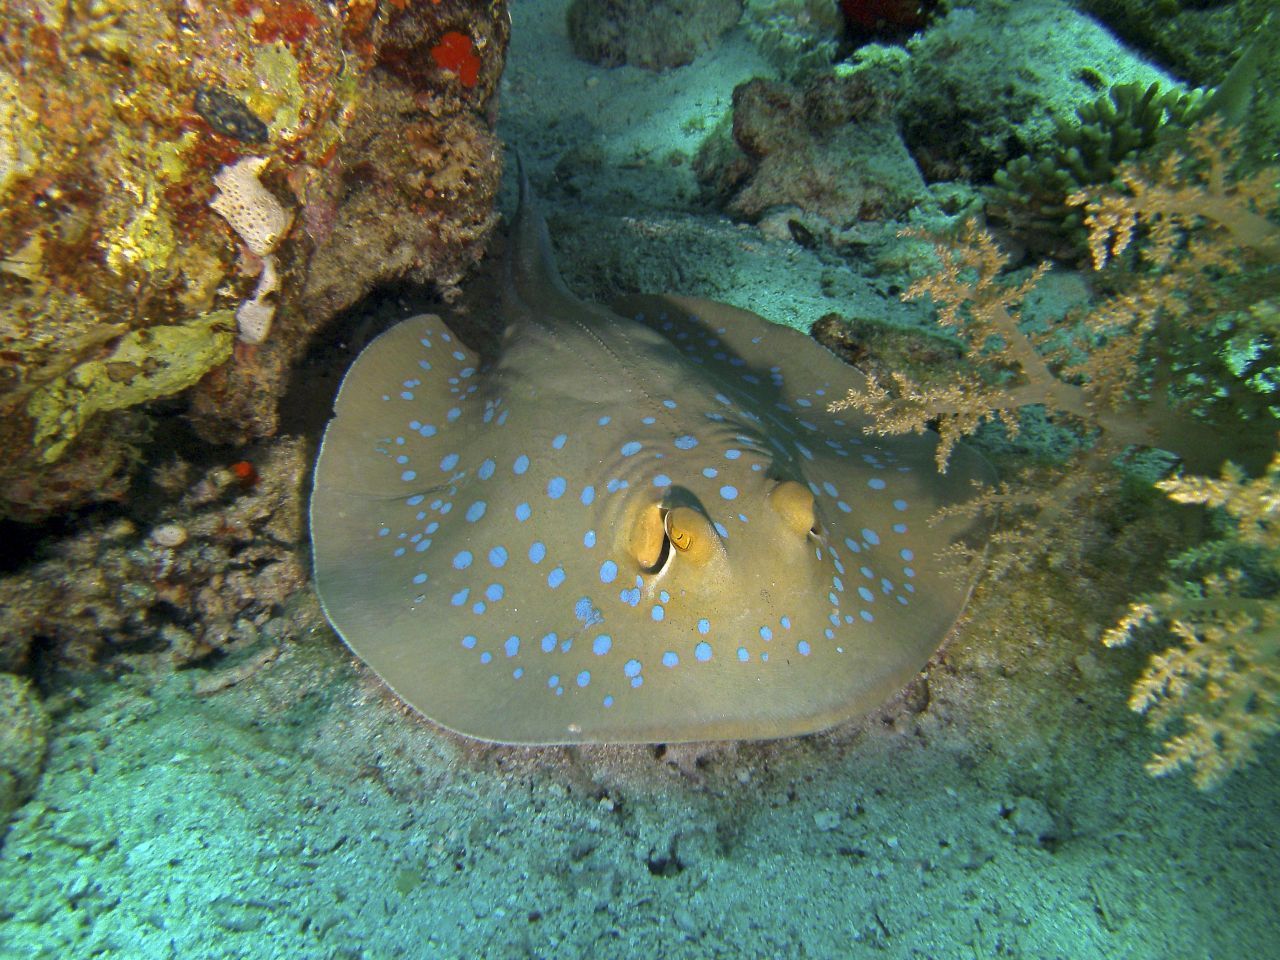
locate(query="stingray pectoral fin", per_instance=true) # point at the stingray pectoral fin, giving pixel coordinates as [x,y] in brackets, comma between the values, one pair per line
[392,412]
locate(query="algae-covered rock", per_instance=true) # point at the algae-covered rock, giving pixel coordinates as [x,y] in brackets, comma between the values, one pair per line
[24,733]
[145,365]
[116,118]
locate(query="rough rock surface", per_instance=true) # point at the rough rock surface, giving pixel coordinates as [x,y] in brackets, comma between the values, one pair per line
[120,283]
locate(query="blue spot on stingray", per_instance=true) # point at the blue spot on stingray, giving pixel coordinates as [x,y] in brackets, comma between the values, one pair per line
[720,529]
[803,648]
[478,607]
[427,430]
[702,651]
[549,642]
[608,571]
[407,476]
[486,469]
[476,511]
[662,480]
[844,506]
[766,633]
[420,578]
[669,659]
[601,644]
[604,421]
[852,544]
[469,642]
[502,417]
[906,554]
[900,505]
[729,492]
[555,577]
[449,462]
[786,623]
[632,596]
[669,404]
[584,678]
[686,442]
[870,536]
[588,495]
[553,681]
[710,472]
[537,551]
[875,483]
[631,668]
[614,485]
[630,449]
[607,702]
[498,557]
[657,613]
[582,608]
[589,539]
[494,592]
[453,414]
[512,646]
[402,459]
[649,421]
[462,560]
[559,441]
[866,594]
[422,546]
[867,616]
[732,454]
[384,532]
[704,626]
[522,512]
[521,465]
[406,395]
[555,488]
[743,655]
[459,598]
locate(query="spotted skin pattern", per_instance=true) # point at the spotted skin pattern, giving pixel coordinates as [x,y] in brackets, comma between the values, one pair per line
[475,527]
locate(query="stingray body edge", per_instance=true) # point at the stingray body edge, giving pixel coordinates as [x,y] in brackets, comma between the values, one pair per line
[638,526]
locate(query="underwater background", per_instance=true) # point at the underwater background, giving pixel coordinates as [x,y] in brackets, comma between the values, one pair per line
[206,214]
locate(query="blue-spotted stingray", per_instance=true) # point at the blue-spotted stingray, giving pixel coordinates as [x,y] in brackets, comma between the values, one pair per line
[637,525]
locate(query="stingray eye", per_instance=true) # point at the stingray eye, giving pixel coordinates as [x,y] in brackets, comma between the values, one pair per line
[648,543]
[794,503]
[691,533]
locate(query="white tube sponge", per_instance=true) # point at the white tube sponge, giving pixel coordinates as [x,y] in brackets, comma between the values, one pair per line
[252,210]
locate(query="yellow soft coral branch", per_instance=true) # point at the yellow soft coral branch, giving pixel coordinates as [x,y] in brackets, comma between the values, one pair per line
[1222,676]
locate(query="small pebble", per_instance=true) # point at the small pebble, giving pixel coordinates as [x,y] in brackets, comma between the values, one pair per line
[169,535]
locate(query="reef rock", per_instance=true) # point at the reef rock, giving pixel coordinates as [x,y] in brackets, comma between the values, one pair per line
[179,180]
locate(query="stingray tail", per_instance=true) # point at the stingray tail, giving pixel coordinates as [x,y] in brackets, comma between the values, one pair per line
[532,278]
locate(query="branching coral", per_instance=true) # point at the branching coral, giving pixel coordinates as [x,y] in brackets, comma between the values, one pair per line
[1189,248]
[1222,677]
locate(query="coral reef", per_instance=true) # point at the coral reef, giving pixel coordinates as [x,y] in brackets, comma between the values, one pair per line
[209,565]
[341,152]
[1188,248]
[799,37]
[24,731]
[1030,192]
[1221,679]
[830,149]
[653,34]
